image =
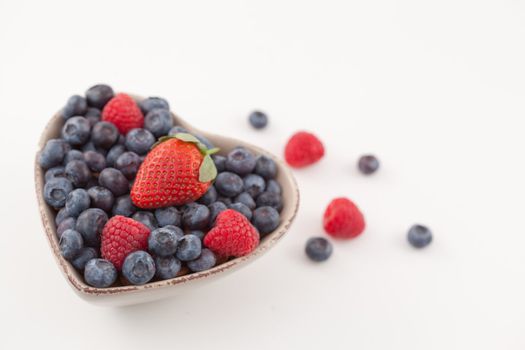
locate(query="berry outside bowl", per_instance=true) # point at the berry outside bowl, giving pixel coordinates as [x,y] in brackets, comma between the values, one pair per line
[130,294]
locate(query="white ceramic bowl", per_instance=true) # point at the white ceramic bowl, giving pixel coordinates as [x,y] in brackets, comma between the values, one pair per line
[129,294]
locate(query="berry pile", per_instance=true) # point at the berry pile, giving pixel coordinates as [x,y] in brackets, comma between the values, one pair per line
[342,218]
[140,197]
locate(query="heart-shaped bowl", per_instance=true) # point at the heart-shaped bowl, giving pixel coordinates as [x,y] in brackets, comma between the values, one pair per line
[131,294]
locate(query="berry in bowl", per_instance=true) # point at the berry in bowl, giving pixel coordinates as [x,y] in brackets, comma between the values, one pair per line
[138,205]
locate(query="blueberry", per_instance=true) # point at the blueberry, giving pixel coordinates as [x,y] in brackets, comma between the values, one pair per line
[102,151]
[273,186]
[266,167]
[61,216]
[215,209]
[178,231]
[56,191]
[228,184]
[85,254]
[90,146]
[164,241]
[93,116]
[158,122]
[139,141]
[90,224]
[76,202]
[254,185]
[114,180]
[124,206]
[101,198]
[104,135]
[419,236]
[76,131]
[100,273]
[258,119]
[246,199]
[53,153]
[138,267]
[196,217]
[187,206]
[240,161]
[368,164]
[270,199]
[265,220]
[205,261]
[178,129]
[72,155]
[91,183]
[113,154]
[128,163]
[67,224]
[70,244]
[147,218]
[243,209]
[227,201]
[93,112]
[98,95]
[167,267]
[209,197]
[78,173]
[52,173]
[168,216]
[121,140]
[189,248]
[75,105]
[197,233]
[205,141]
[151,103]
[220,162]
[95,161]
[318,249]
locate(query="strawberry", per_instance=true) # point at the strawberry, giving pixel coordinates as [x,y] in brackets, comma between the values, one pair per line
[232,235]
[122,236]
[123,111]
[178,170]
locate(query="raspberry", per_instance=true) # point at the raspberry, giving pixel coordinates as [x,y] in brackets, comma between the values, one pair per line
[303,149]
[233,235]
[122,236]
[343,219]
[123,111]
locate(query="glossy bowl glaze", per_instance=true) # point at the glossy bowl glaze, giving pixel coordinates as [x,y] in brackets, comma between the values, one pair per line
[129,294]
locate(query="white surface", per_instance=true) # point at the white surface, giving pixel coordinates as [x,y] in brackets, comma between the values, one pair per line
[435,89]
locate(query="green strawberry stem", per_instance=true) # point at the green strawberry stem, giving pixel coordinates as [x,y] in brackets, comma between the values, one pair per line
[207,170]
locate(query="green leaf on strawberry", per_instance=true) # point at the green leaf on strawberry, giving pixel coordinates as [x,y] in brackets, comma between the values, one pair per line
[207,170]
[186,137]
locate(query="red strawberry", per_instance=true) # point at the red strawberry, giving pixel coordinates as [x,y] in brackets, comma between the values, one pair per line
[343,219]
[178,170]
[122,236]
[123,111]
[303,149]
[232,235]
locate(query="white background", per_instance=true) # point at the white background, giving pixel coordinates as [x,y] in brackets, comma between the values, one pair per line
[434,88]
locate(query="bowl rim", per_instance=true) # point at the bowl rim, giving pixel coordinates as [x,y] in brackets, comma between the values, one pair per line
[70,273]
